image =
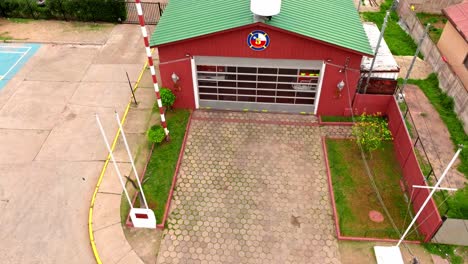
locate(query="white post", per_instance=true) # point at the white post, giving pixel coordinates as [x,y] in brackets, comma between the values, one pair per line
[131,159]
[113,159]
[430,195]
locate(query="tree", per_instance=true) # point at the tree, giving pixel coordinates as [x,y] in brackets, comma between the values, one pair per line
[371,130]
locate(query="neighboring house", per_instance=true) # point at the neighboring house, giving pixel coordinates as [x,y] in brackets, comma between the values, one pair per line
[453,42]
[217,54]
[431,6]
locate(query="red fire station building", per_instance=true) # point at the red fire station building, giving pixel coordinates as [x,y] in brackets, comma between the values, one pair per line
[232,55]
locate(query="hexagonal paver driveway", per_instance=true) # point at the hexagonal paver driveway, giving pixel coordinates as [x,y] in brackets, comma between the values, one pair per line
[250,191]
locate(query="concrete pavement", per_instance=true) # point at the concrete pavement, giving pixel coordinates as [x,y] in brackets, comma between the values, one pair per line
[51,151]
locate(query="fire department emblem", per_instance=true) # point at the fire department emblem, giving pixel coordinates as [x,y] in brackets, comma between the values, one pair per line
[258,40]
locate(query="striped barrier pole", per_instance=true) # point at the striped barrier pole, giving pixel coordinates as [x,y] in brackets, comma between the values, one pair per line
[151,65]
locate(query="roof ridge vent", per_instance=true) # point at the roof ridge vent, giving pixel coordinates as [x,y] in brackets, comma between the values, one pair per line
[264,9]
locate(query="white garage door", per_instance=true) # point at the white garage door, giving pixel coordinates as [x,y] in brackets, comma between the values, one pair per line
[258,84]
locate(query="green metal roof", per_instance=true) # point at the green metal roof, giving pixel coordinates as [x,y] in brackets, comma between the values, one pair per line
[333,21]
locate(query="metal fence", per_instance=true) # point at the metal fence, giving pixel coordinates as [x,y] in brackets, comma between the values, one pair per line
[152,12]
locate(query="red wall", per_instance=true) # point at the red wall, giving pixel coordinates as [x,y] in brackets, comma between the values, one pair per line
[184,90]
[283,45]
[429,221]
[369,103]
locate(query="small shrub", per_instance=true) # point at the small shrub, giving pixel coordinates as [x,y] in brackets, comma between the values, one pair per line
[156,134]
[167,97]
[458,204]
[83,10]
[445,251]
[371,131]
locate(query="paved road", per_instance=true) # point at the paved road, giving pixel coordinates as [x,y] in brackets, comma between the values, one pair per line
[51,151]
[250,191]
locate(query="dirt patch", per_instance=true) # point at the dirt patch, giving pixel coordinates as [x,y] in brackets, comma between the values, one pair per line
[434,135]
[368,5]
[376,216]
[363,252]
[421,69]
[55,31]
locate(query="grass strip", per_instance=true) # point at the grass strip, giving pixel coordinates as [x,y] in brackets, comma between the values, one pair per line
[399,42]
[336,119]
[355,196]
[163,162]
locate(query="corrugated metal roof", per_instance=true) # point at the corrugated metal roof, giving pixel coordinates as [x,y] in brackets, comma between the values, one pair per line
[458,16]
[333,21]
[384,61]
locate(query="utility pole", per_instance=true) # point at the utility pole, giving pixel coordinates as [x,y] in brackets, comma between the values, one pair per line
[377,49]
[414,58]
[436,187]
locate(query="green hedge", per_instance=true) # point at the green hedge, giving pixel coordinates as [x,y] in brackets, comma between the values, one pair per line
[81,10]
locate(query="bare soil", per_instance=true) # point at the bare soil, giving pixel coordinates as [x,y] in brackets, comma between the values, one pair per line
[434,136]
[421,69]
[46,31]
[367,6]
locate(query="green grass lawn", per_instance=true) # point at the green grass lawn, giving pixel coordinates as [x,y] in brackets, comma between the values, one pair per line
[5,36]
[20,20]
[336,118]
[399,42]
[162,164]
[437,24]
[455,254]
[354,195]
[458,203]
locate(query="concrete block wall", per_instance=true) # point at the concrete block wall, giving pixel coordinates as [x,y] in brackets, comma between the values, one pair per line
[448,80]
[431,6]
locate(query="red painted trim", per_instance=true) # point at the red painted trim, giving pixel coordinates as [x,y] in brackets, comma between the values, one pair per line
[330,188]
[336,124]
[267,26]
[284,123]
[321,123]
[176,172]
[431,235]
[346,238]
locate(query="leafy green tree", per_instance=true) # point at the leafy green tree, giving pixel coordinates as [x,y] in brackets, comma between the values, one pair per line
[167,97]
[370,131]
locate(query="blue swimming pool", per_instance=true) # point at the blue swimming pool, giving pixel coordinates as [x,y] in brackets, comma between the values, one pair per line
[12,58]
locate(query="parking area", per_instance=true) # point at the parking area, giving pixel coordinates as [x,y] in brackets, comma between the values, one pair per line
[252,188]
[51,151]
